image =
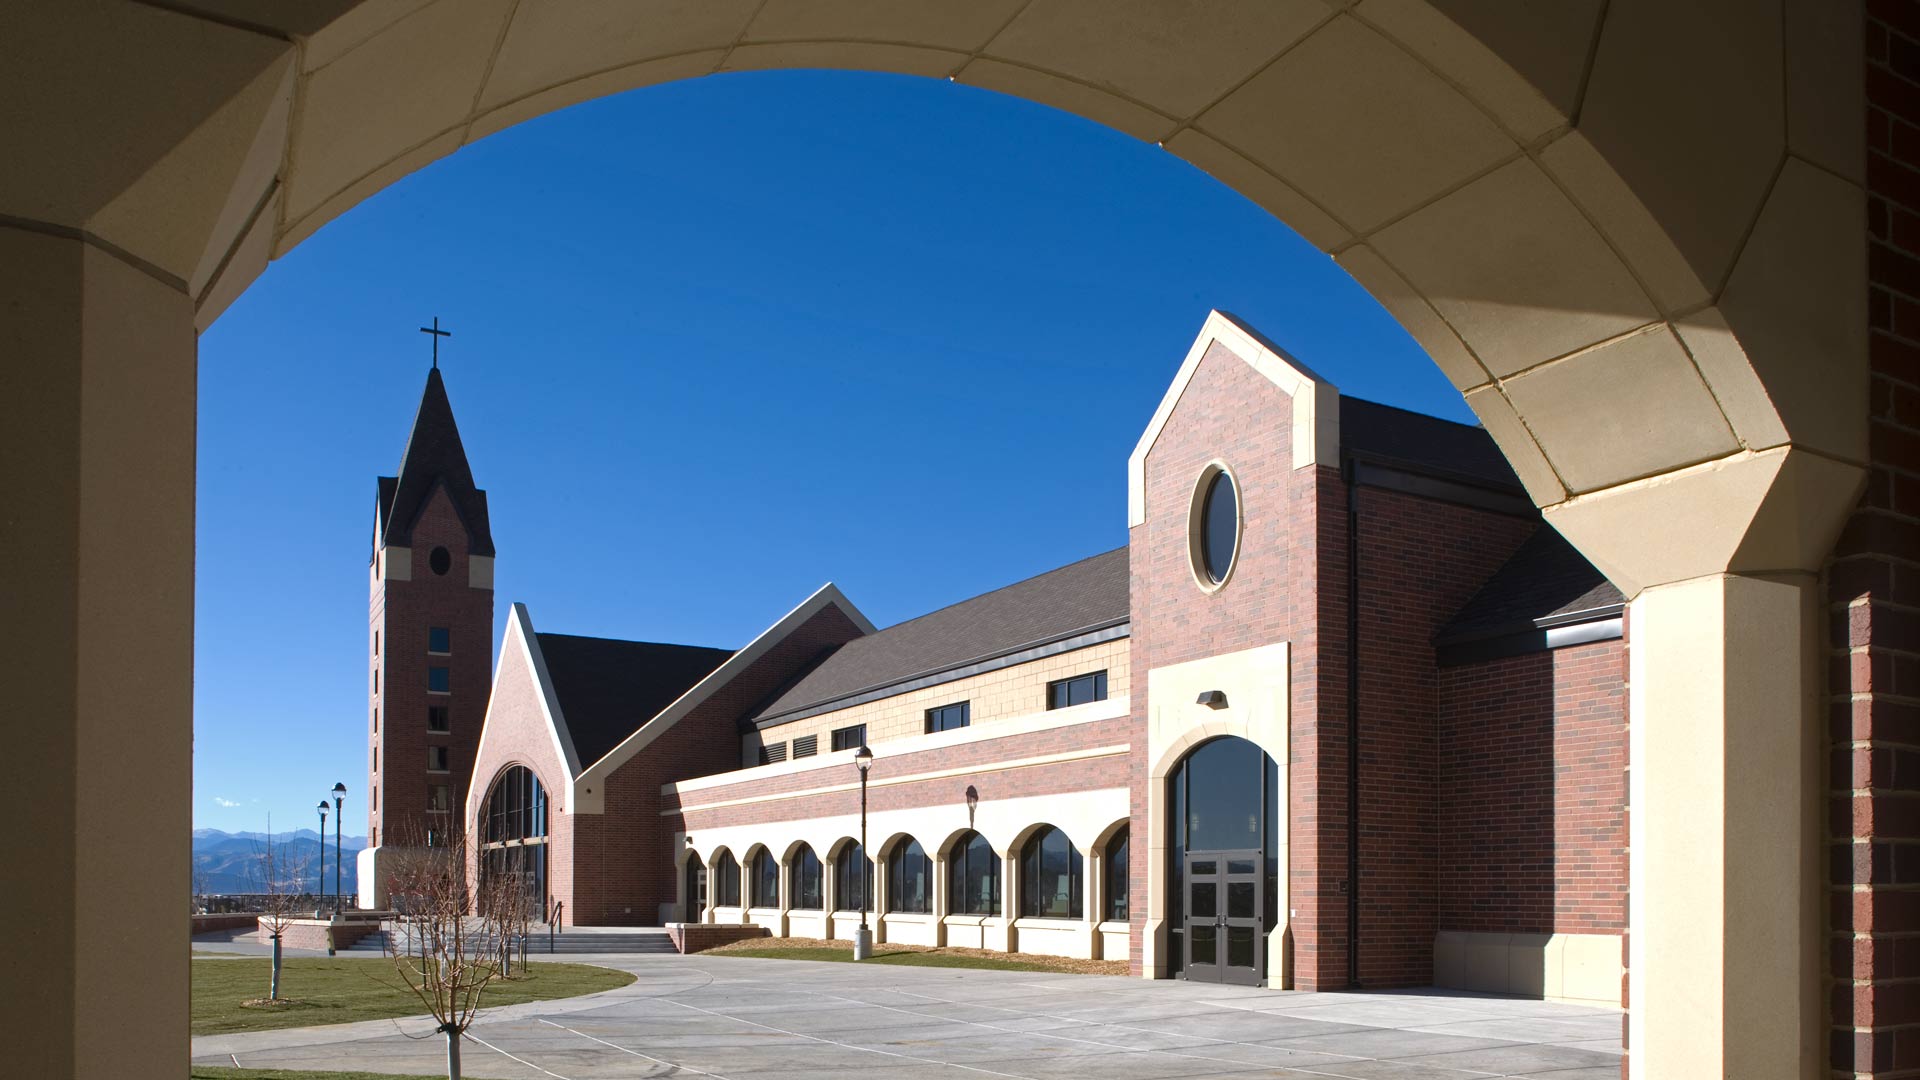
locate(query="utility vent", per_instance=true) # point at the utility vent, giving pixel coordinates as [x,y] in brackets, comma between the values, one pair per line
[771,754]
[806,746]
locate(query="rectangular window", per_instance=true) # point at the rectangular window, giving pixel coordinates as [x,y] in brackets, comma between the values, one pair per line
[439,799]
[376,721]
[948,717]
[376,643]
[1077,691]
[376,682]
[772,753]
[437,718]
[436,759]
[850,738]
[438,681]
[376,760]
[806,746]
[439,639]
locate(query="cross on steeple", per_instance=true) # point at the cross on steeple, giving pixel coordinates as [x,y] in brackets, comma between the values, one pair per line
[437,335]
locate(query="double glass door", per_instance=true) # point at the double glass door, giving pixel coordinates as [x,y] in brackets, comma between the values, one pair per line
[1225,942]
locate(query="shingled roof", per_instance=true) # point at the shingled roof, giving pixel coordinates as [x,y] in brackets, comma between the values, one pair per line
[608,688]
[1080,598]
[1546,582]
[1388,435]
[434,457]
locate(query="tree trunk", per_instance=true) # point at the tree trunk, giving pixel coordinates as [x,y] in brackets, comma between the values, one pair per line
[453,1052]
[273,989]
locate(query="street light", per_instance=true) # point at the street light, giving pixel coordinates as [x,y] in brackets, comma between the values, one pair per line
[320,885]
[339,794]
[863,937]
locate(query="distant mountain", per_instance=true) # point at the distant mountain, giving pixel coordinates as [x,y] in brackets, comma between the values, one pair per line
[226,862]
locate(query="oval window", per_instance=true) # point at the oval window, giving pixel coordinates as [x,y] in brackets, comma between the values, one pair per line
[1219,527]
[439,560]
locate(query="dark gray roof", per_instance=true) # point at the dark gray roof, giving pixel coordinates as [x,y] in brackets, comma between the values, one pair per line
[1546,582]
[608,688]
[434,456]
[1412,440]
[1084,596]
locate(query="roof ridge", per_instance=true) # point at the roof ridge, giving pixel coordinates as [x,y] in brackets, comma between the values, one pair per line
[991,592]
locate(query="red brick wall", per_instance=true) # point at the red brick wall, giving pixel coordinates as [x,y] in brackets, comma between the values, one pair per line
[625,862]
[1420,561]
[1874,593]
[1286,585]
[1533,792]
[401,611]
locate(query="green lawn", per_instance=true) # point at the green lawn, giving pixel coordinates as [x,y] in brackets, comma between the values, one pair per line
[911,959]
[339,990]
[225,1073]
[221,1072]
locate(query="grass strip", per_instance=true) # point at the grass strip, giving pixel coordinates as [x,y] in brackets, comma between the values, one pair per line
[337,990]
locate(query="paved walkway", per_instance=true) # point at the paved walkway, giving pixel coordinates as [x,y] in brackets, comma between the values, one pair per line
[735,1018]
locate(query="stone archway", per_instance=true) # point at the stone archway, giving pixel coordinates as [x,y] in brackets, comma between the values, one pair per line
[1628,231]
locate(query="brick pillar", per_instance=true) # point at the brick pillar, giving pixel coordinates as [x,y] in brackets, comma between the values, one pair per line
[1873,592]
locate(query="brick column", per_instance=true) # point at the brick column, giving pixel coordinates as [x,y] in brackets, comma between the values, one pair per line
[1873,593]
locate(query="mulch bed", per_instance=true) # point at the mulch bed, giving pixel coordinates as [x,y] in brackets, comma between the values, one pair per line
[1052,963]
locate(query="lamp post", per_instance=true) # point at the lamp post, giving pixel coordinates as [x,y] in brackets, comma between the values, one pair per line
[320,884]
[863,937]
[339,796]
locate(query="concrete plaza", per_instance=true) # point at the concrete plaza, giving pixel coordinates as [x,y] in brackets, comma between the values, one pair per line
[736,1018]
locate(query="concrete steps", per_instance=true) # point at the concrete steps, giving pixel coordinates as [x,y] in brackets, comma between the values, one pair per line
[571,942]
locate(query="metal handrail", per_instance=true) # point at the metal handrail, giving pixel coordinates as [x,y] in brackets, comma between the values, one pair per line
[553,923]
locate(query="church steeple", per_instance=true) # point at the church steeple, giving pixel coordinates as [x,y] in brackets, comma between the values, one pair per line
[434,455]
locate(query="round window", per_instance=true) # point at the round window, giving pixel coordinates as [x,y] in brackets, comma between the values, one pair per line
[1216,526]
[440,561]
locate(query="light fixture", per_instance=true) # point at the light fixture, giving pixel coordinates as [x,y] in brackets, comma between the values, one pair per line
[1212,699]
[863,757]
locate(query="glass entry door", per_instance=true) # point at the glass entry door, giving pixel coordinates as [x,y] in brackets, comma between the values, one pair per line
[1224,939]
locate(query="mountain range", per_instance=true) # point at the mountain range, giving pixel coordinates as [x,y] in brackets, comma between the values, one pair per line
[225,862]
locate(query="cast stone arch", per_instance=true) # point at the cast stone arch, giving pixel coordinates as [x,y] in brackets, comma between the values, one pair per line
[1621,289]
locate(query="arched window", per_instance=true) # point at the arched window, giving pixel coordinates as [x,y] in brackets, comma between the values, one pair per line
[766,880]
[973,877]
[803,888]
[1114,871]
[726,881]
[853,880]
[696,894]
[1050,876]
[910,879]
[514,824]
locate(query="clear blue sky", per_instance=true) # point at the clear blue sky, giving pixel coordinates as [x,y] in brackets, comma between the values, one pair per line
[710,353]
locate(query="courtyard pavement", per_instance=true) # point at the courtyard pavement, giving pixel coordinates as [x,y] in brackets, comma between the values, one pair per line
[737,1018]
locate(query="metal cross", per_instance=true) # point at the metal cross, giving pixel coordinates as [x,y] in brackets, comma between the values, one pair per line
[437,335]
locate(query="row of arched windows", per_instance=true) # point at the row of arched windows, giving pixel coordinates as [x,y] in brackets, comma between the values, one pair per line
[1052,874]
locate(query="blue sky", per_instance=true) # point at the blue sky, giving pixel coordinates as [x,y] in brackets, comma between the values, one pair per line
[716,343]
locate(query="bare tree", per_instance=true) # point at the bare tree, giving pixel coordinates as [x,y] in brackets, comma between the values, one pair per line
[459,954]
[279,871]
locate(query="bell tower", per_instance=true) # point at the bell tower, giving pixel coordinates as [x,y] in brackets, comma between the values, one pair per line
[429,641]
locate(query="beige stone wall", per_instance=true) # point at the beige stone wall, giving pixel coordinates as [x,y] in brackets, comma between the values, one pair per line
[997,696]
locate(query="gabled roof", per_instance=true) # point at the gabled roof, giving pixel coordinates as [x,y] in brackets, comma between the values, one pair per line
[608,688]
[434,457]
[1421,443]
[1089,595]
[1546,583]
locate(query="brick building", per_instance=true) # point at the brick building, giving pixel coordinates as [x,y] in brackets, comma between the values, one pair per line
[1365,712]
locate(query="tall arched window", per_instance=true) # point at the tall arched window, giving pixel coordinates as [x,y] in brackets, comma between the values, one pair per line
[696,894]
[766,880]
[853,879]
[726,881]
[803,886]
[910,879]
[973,877]
[1114,875]
[514,824]
[1050,886]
